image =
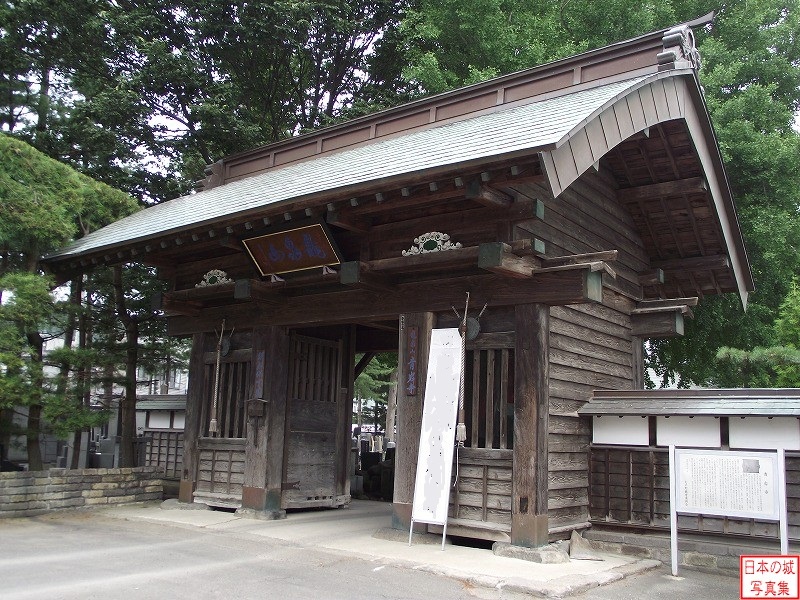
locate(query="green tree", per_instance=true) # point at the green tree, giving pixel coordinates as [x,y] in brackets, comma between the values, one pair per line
[372,387]
[43,205]
[750,73]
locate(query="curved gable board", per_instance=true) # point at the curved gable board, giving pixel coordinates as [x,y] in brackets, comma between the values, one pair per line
[663,97]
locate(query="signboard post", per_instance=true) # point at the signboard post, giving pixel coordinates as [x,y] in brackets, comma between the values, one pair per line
[437,435]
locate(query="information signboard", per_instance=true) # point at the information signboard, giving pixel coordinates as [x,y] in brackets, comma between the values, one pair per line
[729,483]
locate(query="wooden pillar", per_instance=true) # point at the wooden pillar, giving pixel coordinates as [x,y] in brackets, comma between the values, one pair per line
[191,429]
[415,339]
[266,417]
[346,384]
[637,345]
[531,400]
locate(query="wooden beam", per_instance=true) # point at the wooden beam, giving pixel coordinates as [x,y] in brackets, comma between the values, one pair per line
[527,247]
[254,290]
[181,307]
[487,196]
[447,259]
[228,241]
[373,340]
[652,277]
[363,363]
[660,190]
[654,325]
[357,274]
[498,258]
[624,287]
[668,302]
[345,305]
[348,222]
[522,210]
[698,263]
[574,259]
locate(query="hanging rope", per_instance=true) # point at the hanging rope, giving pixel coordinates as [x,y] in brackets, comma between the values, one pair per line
[212,426]
[461,428]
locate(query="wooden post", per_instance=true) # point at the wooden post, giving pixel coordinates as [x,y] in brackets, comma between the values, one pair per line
[344,417]
[415,339]
[266,414]
[637,346]
[194,400]
[531,399]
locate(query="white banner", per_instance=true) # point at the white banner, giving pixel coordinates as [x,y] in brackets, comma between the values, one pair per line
[437,437]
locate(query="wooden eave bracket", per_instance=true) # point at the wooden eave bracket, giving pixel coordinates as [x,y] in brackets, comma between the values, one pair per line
[487,196]
[521,261]
[359,274]
[659,322]
[172,306]
[348,222]
[254,290]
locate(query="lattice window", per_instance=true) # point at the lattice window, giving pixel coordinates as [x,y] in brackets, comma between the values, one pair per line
[489,398]
[234,390]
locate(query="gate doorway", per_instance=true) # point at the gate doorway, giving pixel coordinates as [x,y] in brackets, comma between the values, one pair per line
[317,421]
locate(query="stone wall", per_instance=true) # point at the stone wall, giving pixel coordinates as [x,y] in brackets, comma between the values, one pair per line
[29,493]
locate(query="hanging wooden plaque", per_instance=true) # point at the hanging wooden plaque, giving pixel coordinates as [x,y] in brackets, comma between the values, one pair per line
[292,250]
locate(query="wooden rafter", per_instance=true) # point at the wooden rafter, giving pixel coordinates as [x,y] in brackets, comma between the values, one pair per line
[698,263]
[486,195]
[676,187]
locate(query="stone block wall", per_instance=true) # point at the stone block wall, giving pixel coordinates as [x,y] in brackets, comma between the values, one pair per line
[29,493]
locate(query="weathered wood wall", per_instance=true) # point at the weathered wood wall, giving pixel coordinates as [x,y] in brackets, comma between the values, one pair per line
[630,488]
[165,451]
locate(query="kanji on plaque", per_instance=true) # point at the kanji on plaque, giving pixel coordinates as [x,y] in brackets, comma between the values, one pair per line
[769,576]
[292,250]
[412,342]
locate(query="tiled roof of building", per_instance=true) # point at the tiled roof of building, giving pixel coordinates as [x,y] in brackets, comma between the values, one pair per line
[525,128]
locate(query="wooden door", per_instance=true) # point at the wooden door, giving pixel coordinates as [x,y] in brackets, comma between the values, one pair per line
[312,456]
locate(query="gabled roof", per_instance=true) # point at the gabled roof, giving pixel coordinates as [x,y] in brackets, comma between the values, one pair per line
[596,109]
[528,128]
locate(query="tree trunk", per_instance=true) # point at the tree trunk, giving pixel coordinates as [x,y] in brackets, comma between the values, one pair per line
[127,405]
[32,444]
[77,437]
[33,432]
[6,416]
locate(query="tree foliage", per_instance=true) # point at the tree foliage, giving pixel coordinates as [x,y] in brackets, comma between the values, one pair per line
[144,95]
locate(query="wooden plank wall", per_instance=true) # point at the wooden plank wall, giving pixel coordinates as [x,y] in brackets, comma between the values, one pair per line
[630,487]
[220,472]
[483,487]
[165,450]
[590,344]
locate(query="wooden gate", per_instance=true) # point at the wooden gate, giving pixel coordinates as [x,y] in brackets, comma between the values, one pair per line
[311,456]
[220,465]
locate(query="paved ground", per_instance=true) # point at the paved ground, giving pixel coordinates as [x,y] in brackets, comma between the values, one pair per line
[659,584]
[145,551]
[85,556]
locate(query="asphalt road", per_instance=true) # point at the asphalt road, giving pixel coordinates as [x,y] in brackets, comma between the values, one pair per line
[86,555]
[659,584]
